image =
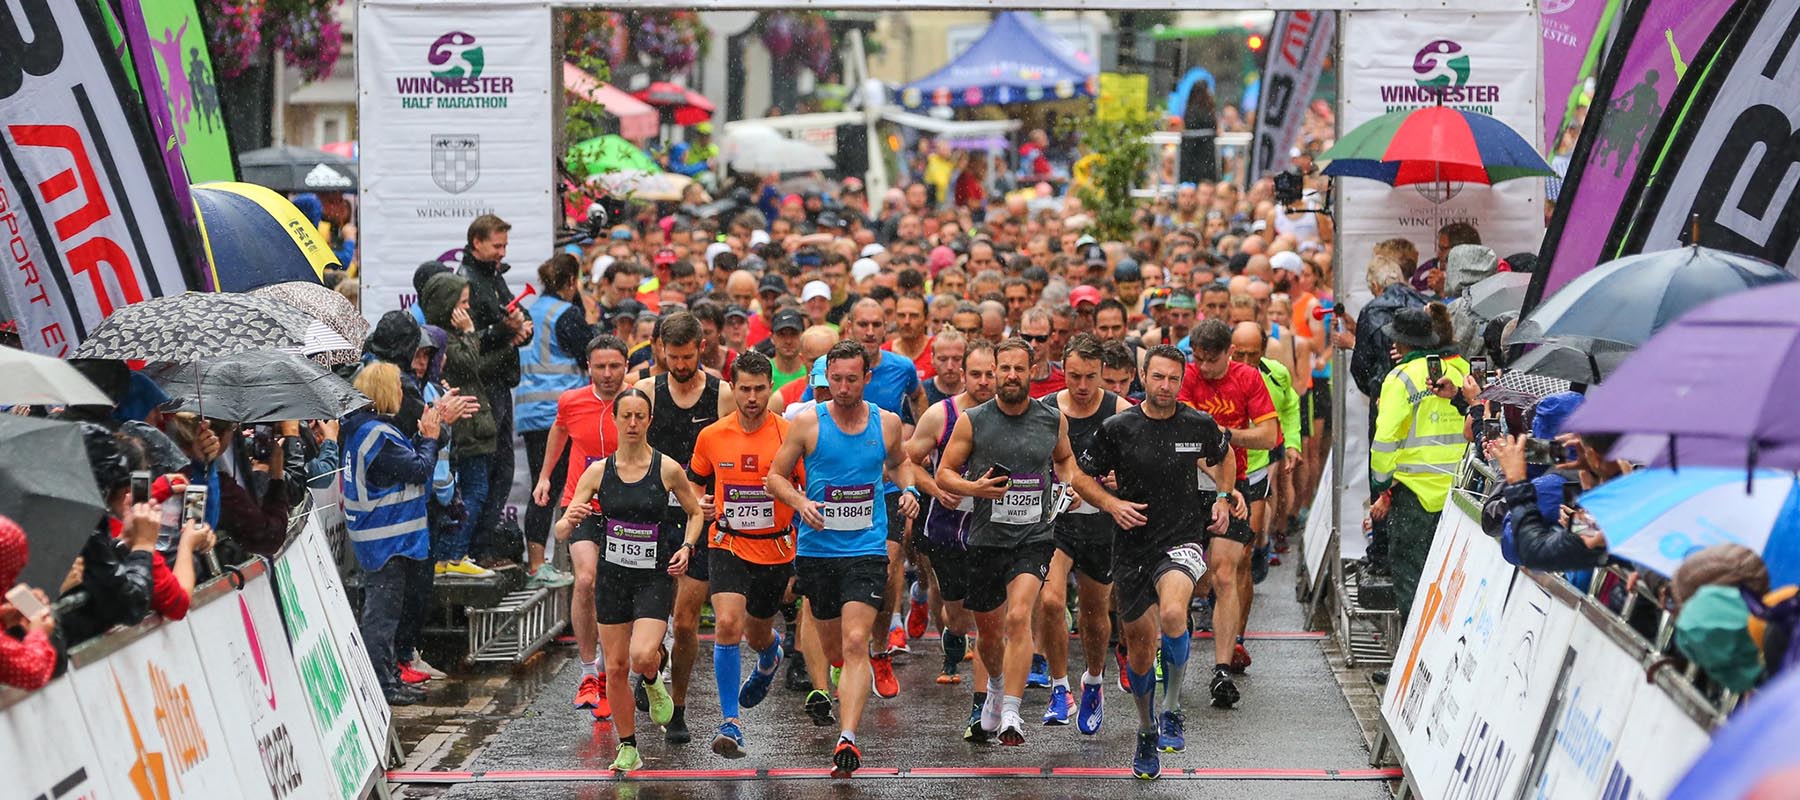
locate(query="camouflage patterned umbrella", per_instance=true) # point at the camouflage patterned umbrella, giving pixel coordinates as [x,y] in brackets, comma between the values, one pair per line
[197,325]
[322,304]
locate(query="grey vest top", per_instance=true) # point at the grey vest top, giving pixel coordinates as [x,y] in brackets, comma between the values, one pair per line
[1024,444]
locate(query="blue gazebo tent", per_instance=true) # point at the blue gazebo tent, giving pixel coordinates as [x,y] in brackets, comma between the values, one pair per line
[1017,60]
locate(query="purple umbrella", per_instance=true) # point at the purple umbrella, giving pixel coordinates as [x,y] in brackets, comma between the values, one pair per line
[1718,382]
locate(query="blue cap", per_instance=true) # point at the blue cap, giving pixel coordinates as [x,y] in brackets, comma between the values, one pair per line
[818,373]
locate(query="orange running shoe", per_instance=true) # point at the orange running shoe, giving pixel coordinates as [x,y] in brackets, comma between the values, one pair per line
[1240,658]
[886,684]
[845,759]
[602,706]
[897,641]
[588,694]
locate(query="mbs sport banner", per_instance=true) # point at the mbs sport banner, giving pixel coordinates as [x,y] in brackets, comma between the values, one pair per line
[83,191]
[456,115]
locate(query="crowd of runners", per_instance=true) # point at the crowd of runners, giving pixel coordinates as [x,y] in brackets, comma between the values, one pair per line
[1119,461]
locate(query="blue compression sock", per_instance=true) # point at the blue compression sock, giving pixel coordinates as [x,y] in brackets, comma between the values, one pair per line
[1175,655]
[728,672]
[1175,648]
[767,659]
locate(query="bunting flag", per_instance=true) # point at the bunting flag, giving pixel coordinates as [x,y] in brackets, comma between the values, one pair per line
[1729,166]
[83,201]
[1637,83]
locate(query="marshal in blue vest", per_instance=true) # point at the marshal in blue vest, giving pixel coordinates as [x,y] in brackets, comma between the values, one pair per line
[383,521]
[545,371]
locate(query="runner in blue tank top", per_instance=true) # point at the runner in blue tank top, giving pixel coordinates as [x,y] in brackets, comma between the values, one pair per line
[841,552]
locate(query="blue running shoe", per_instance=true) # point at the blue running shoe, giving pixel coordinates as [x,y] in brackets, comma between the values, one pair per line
[1040,672]
[1092,710]
[1058,712]
[730,741]
[756,687]
[1145,764]
[1169,739]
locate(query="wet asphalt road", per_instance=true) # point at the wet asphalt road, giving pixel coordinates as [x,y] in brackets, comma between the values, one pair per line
[1293,716]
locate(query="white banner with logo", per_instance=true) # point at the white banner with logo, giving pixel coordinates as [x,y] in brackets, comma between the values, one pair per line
[1394,61]
[1299,41]
[48,751]
[345,695]
[456,113]
[1660,744]
[256,686]
[81,206]
[149,709]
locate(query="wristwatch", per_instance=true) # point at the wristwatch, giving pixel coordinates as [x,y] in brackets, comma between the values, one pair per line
[912,490]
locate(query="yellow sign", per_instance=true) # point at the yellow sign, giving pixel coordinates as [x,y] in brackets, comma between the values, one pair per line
[1123,96]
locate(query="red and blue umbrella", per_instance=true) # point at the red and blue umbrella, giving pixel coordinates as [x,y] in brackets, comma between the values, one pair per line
[1434,145]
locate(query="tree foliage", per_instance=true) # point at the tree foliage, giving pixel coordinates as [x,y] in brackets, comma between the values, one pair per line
[1119,157]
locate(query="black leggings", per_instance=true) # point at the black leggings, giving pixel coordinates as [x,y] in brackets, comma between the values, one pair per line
[538,519]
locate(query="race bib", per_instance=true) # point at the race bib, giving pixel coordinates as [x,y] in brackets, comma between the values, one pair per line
[1023,503]
[748,508]
[1189,558]
[1066,502]
[631,545]
[674,502]
[849,508]
[1204,481]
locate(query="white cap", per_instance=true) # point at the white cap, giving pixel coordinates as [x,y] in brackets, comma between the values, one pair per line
[759,238]
[815,289]
[599,269]
[1288,260]
[864,268]
[873,249]
[713,250]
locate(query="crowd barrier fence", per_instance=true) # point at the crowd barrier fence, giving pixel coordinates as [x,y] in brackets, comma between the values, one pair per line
[264,690]
[1510,682]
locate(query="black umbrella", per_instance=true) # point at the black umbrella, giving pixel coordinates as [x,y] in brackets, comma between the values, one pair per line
[298,169]
[47,487]
[1626,300]
[1573,360]
[200,325]
[262,386]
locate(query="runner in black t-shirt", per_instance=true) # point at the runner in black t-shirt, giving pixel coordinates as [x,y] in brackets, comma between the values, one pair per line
[1158,558]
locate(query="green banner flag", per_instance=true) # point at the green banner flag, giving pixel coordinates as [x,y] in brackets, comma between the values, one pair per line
[177,38]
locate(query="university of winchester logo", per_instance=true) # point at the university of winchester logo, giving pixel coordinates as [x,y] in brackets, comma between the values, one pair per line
[455,161]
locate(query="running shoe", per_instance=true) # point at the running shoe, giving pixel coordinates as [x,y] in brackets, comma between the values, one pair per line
[1040,672]
[1091,710]
[1170,739]
[1124,666]
[638,696]
[1259,564]
[662,707]
[463,568]
[818,707]
[845,759]
[885,684]
[1012,733]
[918,616]
[729,742]
[949,676]
[1274,559]
[1145,764]
[1058,711]
[410,675]
[1240,658]
[756,687]
[588,694]
[627,759]
[676,730]
[602,708]
[897,640]
[974,733]
[1224,691]
[837,675]
[549,577]
[420,665]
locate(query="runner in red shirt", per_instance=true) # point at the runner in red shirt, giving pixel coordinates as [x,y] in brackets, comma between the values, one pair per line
[1237,399]
[584,419]
[1046,377]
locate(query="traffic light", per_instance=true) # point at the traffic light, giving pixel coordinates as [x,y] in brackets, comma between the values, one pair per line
[1255,42]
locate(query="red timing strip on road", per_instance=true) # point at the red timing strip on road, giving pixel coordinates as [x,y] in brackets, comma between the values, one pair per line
[887,773]
[1250,636]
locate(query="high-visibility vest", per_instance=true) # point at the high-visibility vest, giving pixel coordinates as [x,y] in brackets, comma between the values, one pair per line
[1287,410]
[1419,439]
[382,521]
[545,371]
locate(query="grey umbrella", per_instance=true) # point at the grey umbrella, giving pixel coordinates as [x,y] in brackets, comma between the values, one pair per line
[34,380]
[1576,361]
[200,325]
[47,487]
[1497,295]
[264,386]
[298,169]
[1627,299]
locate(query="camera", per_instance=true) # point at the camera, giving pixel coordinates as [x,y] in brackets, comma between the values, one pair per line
[1289,188]
[602,214]
[258,441]
[1544,451]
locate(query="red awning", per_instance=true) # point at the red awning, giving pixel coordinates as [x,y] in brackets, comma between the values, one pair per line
[637,120]
[689,107]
